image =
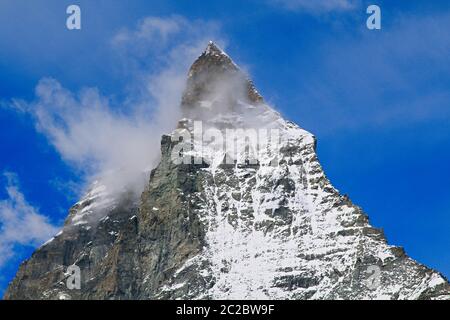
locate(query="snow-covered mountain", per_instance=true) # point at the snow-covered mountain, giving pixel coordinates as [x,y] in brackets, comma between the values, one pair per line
[247,222]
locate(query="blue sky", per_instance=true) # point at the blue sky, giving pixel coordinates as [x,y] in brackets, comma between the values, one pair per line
[378,101]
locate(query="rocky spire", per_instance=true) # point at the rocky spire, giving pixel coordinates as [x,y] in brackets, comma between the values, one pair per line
[214,73]
[212,59]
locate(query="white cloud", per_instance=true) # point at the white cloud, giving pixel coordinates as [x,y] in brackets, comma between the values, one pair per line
[151,30]
[20,223]
[92,135]
[97,136]
[316,6]
[156,43]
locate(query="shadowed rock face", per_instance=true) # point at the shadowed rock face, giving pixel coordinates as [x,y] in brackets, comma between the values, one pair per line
[215,230]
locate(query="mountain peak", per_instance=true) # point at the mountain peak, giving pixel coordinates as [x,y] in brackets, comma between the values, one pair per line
[213,49]
[212,60]
[277,229]
[214,74]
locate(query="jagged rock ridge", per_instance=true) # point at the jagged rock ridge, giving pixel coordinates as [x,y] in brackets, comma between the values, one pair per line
[214,230]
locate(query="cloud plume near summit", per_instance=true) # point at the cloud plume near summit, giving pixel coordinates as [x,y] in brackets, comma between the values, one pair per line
[117,141]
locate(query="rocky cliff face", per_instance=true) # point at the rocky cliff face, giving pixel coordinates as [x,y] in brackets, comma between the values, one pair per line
[228,225]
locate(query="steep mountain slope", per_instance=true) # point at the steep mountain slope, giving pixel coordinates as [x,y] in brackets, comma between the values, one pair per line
[249,221]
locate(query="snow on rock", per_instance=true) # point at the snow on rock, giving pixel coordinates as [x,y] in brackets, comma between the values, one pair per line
[96,200]
[284,232]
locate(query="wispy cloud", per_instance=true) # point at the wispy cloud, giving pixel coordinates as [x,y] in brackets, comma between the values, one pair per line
[21,224]
[316,6]
[99,135]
